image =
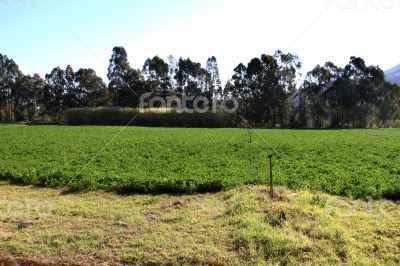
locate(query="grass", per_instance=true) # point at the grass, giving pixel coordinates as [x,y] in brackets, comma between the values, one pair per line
[240,226]
[355,163]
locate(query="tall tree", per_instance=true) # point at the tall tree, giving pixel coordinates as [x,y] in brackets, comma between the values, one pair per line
[241,90]
[215,90]
[388,103]
[265,87]
[172,70]
[71,97]
[9,74]
[28,94]
[289,67]
[353,93]
[92,91]
[156,73]
[192,79]
[316,82]
[126,84]
[54,93]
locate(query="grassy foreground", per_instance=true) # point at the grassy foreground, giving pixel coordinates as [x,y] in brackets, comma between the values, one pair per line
[235,227]
[356,163]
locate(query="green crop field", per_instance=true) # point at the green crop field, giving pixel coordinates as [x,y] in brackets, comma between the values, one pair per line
[356,163]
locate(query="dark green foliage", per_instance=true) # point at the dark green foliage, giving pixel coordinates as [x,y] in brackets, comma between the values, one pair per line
[355,96]
[27,97]
[355,163]
[9,74]
[121,116]
[215,90]
[265,88]
[89,89]
[157,79]
[54,93]
[126,84]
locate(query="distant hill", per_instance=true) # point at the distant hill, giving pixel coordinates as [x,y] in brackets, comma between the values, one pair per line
[393,74]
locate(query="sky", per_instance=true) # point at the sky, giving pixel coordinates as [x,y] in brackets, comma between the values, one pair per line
[42,34]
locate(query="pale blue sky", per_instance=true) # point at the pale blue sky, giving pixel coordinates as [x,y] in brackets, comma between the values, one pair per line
[42,34]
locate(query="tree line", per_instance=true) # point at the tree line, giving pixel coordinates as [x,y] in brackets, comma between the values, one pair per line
[269,89]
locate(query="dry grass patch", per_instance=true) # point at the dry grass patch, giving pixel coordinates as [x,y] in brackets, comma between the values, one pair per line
[235,227]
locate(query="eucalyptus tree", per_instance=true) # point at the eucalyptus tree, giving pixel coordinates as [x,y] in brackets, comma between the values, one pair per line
[28,97]
[316,83]
[126,84]
[266,86]
[92,91]
[156,73]
[215,91]
[54,93]
[191,78]
[9,74]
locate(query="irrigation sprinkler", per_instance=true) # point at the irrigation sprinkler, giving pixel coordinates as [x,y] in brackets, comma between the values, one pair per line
[271,186]
[250,132]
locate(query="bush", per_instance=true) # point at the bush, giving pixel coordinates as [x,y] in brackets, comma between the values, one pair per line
[121,116]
